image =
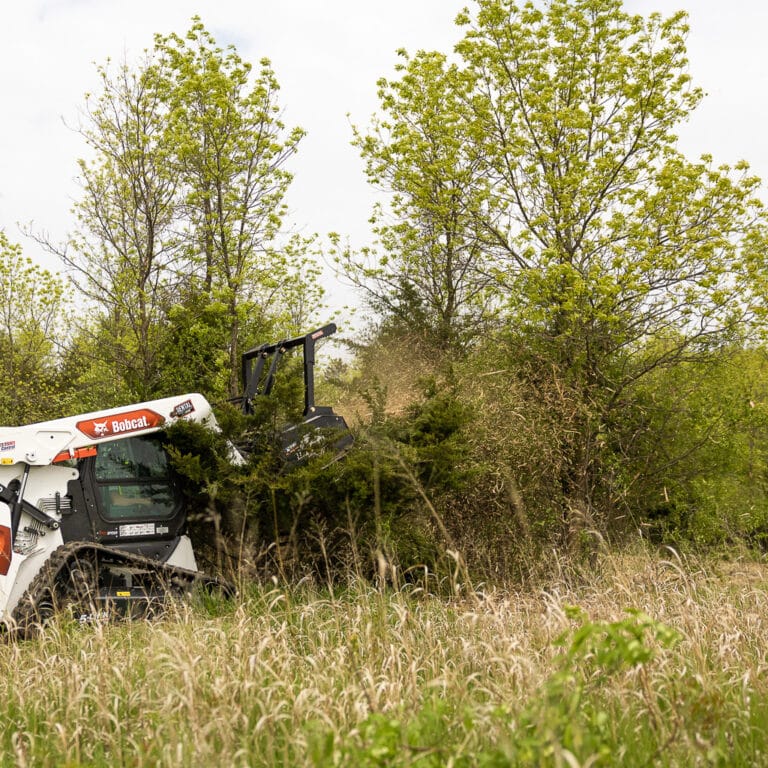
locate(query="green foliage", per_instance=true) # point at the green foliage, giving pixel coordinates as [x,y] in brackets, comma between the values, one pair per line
[433,429]
[179,240]
[336,514]
[387,740]
[31,325]
[709,426]
[625,263]
[431,276]
[550,146]
[610,647]
[231,150]
[194,357]
[88,380]
[378,500]
[121,254]
[571,715]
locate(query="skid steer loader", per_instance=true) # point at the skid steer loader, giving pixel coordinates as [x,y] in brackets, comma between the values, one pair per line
[91,518]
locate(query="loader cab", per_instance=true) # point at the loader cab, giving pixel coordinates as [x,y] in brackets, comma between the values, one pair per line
[130,496]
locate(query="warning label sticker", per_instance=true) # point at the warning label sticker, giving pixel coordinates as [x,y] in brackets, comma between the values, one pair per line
[138,529]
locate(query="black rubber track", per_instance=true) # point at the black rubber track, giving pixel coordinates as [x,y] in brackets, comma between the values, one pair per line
[67,576]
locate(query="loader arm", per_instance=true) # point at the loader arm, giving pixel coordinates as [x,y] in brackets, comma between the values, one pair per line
[253,362]
[75,437]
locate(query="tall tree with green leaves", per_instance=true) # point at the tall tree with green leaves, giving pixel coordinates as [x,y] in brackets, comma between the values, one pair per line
[231,150]
[431,273]
[125,242]
[613,254]
[181,239]
[613,239]
[31,310]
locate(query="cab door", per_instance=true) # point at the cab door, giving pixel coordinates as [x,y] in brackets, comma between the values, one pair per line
[131,497]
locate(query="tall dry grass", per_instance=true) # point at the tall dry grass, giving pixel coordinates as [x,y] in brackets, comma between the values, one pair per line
[305,675]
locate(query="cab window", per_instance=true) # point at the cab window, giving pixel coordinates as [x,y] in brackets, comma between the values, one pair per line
[133,480]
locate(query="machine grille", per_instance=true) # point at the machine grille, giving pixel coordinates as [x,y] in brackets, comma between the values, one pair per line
[53,504]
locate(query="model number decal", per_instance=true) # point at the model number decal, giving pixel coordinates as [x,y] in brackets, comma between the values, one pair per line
[138,529]
[183,409]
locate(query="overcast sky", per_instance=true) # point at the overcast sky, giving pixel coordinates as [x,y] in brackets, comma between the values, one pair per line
[327,57]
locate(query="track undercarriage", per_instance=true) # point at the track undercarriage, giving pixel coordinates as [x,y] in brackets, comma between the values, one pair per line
[93,582]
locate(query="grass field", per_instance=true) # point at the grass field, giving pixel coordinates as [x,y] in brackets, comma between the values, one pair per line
[645,661]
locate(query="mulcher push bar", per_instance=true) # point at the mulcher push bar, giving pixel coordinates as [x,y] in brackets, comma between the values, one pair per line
[255,359]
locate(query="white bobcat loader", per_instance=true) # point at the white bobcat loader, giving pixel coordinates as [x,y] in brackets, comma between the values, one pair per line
[91,518]
[90,515]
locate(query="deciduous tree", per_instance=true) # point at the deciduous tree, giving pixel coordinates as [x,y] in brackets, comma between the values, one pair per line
[31,303]
[125,240]
[612,238]
[181,216]
[231,150]
[613,254]
[431,270]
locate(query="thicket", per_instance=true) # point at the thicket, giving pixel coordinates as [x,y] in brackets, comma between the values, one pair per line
[457,467]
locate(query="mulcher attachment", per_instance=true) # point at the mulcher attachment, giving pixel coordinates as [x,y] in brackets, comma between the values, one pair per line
[320,426]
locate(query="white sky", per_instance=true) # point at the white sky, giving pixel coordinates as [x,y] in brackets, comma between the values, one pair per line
[327,57]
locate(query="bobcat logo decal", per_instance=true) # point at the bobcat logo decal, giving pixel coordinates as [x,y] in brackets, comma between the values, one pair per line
[140,420]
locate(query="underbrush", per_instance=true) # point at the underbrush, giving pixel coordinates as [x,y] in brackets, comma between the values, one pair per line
[646,661]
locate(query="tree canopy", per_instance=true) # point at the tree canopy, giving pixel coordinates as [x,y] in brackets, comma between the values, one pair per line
[546,152]
[180,237]
[31,310]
